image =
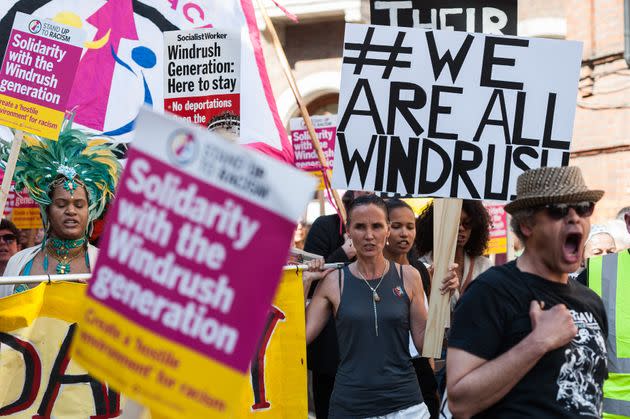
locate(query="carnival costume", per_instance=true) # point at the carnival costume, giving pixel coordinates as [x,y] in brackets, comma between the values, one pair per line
[76,159]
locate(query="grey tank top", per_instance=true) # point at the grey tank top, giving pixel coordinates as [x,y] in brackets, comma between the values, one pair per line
[375,375]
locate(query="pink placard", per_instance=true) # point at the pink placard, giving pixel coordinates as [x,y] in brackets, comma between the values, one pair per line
[190,261]
[498,218]
[40,61]
[305,155]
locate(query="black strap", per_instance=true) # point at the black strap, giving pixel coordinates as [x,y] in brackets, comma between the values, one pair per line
[339,278]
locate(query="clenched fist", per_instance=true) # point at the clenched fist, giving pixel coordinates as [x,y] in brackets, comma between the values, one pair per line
[552,328]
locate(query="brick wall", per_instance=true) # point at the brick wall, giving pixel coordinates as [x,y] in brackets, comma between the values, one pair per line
[531,9]
[601,143]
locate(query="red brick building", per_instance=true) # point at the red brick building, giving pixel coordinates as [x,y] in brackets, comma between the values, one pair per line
[601,144]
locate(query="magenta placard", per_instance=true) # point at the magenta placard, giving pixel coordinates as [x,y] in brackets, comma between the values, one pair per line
[498,218]
[38,70]
[305,155]
[183,259]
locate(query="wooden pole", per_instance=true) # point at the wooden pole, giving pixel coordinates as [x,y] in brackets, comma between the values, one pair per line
[10,169]
[300,102]
[446,215]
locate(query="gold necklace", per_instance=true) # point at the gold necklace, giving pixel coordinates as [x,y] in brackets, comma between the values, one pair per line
[63,262]
[375,296]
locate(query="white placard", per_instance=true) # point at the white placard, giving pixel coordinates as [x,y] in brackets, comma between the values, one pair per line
[451,114]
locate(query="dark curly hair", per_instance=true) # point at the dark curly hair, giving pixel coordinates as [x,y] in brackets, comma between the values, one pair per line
[479,224]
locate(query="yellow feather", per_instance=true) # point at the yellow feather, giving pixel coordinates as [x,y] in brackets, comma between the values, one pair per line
[96,142]
[31,141]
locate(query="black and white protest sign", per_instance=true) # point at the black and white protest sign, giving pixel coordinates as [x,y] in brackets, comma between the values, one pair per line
[202,72]
[497,17]
[451,114]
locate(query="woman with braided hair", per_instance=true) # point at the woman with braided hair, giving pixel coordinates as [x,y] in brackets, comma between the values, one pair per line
[72,180]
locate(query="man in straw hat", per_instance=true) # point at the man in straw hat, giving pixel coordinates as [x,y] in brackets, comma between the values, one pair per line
[526,341]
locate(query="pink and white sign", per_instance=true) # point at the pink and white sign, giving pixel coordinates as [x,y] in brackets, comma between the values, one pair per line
[498,230]
[305,155]
[197,237]
[37,73]
[20,201]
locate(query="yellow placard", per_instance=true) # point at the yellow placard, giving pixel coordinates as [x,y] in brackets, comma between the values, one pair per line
[37,376]
[278,386]
[151,369]
[29,117]
[497,245]
[25,218]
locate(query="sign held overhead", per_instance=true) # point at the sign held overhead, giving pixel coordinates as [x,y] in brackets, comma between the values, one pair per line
[459,115]
[37,72]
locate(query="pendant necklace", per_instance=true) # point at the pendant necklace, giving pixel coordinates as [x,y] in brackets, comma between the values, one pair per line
[60,250]
[375,297]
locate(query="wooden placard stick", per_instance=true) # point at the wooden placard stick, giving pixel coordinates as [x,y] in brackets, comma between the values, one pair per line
[10,169]
[300,102]
[446,214]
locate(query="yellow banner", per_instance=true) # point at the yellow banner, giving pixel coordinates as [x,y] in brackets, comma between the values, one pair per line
[184,383]
[29,117]
[278,373]
[37,326]
[37,376]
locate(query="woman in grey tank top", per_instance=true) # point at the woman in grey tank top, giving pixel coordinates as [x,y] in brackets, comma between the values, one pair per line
[375,304]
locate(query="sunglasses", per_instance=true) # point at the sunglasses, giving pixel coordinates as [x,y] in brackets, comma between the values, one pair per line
[559,211]
[8,238]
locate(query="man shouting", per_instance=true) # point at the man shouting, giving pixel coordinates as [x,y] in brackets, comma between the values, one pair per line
[526,341]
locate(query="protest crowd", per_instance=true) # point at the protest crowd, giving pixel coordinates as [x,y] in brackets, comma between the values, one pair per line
[171,248]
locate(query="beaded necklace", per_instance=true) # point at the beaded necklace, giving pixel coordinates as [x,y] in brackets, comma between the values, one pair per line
[60,249]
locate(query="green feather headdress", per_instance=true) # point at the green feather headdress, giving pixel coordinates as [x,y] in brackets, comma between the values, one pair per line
[76,158]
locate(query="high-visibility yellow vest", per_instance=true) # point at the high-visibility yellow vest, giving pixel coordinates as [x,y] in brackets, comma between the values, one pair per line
[609,277]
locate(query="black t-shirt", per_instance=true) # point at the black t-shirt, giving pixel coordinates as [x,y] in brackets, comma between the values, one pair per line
[493,316]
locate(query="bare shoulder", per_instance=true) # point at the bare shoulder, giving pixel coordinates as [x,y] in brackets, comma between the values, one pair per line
[411,276]
[328,287]
[411,280]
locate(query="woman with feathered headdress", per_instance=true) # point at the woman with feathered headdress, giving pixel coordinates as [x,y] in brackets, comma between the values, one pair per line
[72,180]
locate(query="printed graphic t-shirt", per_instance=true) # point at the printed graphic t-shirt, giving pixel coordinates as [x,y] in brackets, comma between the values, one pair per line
[493,316]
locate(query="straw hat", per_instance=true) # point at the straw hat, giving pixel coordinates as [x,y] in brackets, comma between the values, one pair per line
[551,185]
